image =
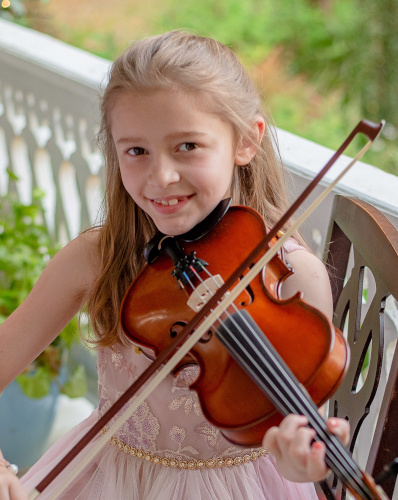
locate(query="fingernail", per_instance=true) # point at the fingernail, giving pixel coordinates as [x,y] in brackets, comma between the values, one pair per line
[317,445]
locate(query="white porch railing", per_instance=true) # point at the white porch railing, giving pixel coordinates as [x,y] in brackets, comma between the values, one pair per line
[48,120]
[48,117]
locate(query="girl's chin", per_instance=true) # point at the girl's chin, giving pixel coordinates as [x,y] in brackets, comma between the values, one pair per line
[173,231]
[174,227]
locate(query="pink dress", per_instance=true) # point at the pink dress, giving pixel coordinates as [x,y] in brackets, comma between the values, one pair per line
[169,451]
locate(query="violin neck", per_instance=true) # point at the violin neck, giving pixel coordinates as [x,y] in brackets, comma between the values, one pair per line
[261,361]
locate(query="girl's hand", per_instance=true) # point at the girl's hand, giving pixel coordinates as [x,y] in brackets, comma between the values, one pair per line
[298,458]
[10,486]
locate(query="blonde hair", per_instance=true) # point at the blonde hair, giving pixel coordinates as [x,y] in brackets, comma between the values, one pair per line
[181,61]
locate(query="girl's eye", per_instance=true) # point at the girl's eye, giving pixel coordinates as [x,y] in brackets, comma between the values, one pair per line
[136,151]
[188,146]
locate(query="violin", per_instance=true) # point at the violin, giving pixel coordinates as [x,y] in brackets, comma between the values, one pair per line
[173,287]
[264,358]
[191,305]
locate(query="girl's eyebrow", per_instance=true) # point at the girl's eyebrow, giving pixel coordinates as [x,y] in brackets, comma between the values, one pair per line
[186,134]
[123,140]
[174,135]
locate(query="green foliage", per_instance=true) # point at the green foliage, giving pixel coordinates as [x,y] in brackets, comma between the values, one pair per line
[349,48]
[102,44]
[36,385]
[76,382]
[239,25]
[25,247]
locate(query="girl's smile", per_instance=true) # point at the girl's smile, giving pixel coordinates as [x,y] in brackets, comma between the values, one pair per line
[169,204]
[176,157]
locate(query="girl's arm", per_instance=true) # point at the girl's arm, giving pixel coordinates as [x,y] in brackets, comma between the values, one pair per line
[54,300]
[298,457]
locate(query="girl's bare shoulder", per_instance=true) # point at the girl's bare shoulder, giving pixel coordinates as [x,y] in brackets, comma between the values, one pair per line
[311,279]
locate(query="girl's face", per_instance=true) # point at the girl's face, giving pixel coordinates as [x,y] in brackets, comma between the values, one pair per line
[176,158]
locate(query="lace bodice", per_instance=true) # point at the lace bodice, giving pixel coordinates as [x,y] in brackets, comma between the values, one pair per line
[170,422]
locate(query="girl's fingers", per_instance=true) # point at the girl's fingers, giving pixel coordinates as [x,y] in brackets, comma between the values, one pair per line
[316,466]
[292,422]
[340,428]
[4,487]
[17,492]
[10,486]
[294,434]
[292,430]
[298,456]
[270,442]
[272,436]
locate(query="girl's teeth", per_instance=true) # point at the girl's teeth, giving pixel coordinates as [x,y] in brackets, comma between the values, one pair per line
[169,202]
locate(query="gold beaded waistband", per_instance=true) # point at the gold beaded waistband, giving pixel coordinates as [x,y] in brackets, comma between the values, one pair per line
[188,464]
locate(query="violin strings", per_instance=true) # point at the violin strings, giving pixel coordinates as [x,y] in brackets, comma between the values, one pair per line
[278,381]
[349,468]
[336,454]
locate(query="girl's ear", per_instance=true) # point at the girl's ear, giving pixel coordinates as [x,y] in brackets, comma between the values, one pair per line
[247,149]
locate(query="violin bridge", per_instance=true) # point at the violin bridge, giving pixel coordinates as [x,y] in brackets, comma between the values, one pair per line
[204,291]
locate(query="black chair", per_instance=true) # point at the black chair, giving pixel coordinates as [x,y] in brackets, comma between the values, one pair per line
[362,259]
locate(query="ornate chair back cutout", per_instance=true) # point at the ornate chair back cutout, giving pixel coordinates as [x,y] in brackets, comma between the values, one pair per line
[363,239]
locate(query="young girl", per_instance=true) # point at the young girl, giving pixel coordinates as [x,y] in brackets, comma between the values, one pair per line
[182,128]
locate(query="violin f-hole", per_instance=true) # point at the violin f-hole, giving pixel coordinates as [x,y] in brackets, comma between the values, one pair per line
[250,293]
[176,328]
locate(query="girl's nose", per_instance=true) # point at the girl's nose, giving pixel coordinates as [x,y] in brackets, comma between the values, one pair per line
[163,172]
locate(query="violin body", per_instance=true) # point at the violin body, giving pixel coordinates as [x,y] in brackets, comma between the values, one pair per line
[155,309]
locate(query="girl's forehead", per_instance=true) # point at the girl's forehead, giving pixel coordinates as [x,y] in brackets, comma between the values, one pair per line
[163,116]
[196,98]
[161,103]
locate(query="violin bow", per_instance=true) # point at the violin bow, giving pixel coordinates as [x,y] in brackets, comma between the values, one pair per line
[204,319]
